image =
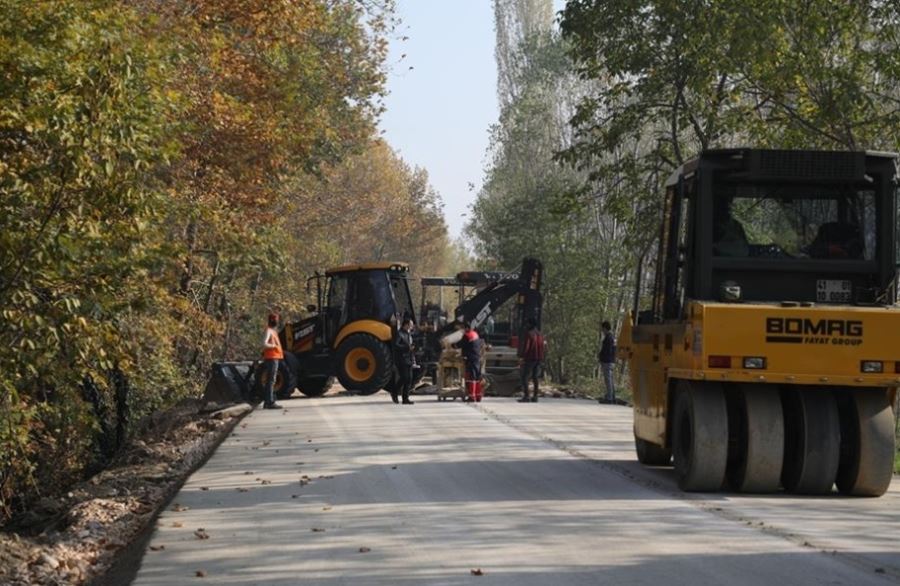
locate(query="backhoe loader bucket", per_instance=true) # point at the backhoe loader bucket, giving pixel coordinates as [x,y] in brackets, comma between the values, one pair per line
[230,382]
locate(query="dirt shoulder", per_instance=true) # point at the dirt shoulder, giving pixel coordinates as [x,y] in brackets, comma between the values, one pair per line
[77,537]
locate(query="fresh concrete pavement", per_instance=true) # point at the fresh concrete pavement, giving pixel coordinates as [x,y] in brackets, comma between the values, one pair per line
[357,490]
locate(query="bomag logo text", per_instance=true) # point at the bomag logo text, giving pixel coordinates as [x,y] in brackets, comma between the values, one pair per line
[790,330]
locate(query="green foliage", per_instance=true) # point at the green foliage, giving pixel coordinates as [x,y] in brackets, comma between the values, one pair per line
[669,79]
[647,85]
[665,80]
[523,208]
[79,134]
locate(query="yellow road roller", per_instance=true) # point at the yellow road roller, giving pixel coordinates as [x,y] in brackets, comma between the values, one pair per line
[767,355]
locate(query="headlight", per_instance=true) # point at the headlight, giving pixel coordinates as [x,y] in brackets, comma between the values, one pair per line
[872,366]
[755,362]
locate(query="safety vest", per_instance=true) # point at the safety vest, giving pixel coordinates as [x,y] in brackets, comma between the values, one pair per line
[273,353]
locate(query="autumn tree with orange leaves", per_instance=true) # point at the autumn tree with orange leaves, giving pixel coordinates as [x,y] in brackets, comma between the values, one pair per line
[169,171]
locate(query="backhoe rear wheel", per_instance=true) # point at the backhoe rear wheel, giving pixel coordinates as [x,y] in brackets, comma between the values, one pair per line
[756,425]
[364,364]
[287,381]
[284,381]
[811,442]
[867,443]
[700,436]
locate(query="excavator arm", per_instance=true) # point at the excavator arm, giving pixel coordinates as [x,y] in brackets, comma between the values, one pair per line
[525,287]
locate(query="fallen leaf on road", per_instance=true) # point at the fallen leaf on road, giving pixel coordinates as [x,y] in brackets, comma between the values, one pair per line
[157,547]
[477,572]
[318,530]
[177,524]
[179,508]
[200,574]
[265,482]
[326,508]
[266,442]
[204,488]
[201,534]
[248,472]
[364,550]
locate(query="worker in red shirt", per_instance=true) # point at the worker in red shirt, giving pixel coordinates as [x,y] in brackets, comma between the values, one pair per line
[531,357]
[472,347]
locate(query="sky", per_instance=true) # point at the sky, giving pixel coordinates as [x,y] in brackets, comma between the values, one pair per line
[439,112]
[443,96]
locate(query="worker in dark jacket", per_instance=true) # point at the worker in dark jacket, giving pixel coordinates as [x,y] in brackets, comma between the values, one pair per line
[531,356]
[471,346]
[404,360]
[607,358]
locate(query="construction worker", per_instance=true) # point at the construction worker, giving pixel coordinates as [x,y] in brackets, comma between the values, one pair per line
[404,360]
[272,357]
[531,358]
[471,347]
[607,357]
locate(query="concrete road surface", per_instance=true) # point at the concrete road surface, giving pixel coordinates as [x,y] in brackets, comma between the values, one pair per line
[357,490]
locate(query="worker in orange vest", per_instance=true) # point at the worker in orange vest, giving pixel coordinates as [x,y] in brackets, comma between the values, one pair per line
[272,357]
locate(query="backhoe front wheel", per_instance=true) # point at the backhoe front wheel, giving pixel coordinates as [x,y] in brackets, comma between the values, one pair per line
[364,364]
[315,386]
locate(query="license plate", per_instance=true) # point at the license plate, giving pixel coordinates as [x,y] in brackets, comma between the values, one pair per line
[834,291]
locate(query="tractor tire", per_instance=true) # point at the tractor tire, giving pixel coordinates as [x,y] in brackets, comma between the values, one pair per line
[650,454]
[700,441]
[364,364]
[812,441]
[756,428]
[315,386]
[283,380]
[867,443]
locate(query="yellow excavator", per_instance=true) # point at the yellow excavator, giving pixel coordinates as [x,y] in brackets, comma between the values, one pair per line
[769,355]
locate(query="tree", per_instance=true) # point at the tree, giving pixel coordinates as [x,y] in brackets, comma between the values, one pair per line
[154,158]
[81,130]
[523,207]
